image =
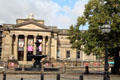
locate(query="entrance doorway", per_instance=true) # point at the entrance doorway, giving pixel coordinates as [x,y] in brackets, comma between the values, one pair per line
[20,55]
[29,55]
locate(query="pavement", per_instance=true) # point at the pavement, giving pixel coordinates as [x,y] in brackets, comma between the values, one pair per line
[68,75]
[65,76]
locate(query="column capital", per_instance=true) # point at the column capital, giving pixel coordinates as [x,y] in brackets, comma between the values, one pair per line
[44,36]
[16,35]
[34,35]
[26,35]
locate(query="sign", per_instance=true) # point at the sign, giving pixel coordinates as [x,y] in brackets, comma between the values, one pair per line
[110,62]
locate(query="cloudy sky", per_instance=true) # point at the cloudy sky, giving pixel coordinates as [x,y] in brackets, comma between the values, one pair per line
[60,13]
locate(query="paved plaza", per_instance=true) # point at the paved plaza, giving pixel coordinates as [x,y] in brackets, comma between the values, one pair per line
[53,77]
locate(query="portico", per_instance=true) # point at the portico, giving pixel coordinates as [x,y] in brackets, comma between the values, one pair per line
[25,45]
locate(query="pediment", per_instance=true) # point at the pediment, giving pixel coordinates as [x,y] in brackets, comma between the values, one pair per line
[31,25]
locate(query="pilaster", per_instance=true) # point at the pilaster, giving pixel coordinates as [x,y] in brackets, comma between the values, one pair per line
[55,39]
[11,46]
[16,47]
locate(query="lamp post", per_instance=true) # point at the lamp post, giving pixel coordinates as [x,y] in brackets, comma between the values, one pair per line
[106,29]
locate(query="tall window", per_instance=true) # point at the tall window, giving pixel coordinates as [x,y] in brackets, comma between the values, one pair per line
[78,55]
[58,54]
[68,54]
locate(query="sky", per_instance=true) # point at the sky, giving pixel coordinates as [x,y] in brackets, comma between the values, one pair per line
[60,13]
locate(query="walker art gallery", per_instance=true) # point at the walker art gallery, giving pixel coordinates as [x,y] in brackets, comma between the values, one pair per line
[18,41]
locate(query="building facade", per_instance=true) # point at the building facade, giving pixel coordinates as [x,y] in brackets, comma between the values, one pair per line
[1,30]
[19,42]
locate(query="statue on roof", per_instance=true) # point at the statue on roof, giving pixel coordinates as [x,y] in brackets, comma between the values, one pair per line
[30,16]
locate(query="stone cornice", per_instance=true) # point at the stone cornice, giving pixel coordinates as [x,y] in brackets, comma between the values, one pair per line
[38,30]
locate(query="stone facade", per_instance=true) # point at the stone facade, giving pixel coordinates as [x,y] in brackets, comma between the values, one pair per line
[1,30]
[21,36]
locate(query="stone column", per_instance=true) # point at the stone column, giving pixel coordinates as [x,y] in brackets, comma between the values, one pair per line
[25,49]
[11,44]
[55,44]
[49,46]
[34,52]
[16,47]
[44,49]
[3,46]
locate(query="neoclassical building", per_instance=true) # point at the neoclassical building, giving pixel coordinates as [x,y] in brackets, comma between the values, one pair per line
[19,41]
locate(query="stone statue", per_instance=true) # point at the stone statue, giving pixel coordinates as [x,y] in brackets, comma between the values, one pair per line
[30,16]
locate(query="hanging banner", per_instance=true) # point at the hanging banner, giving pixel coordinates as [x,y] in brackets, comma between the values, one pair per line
[21,45]
[40,40]
[30,48]
[40,47]
[30,45]
[30,42]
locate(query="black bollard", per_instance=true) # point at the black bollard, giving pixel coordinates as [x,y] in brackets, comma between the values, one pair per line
[86,70]
[42,76]
[81,77]
[58,76]
[21,78]
[4,76]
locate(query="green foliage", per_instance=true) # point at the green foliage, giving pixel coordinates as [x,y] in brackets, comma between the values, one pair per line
[97,13]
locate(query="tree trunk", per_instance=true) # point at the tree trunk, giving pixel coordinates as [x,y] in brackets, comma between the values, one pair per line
[116,67]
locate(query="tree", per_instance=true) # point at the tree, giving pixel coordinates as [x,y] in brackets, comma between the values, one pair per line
[97,13]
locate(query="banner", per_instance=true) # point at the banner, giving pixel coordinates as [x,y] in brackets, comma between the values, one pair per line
[40,40]
[30,45]
[21,45]
[30,48]
[30,42]
[40,47]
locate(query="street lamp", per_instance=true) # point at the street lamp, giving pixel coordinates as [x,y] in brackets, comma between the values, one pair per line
[106,29]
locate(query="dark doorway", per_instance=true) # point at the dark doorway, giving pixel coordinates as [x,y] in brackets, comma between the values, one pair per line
[29,56]
[20,55]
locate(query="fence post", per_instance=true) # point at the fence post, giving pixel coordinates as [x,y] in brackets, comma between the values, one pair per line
[58,76]
[42,76]
[21,78]
[81,77]
[4,76]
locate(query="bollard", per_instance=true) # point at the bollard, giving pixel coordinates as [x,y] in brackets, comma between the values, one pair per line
[81,77]
[86,70]
[4,76]
[42,76]
[21,78]
[58,76]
